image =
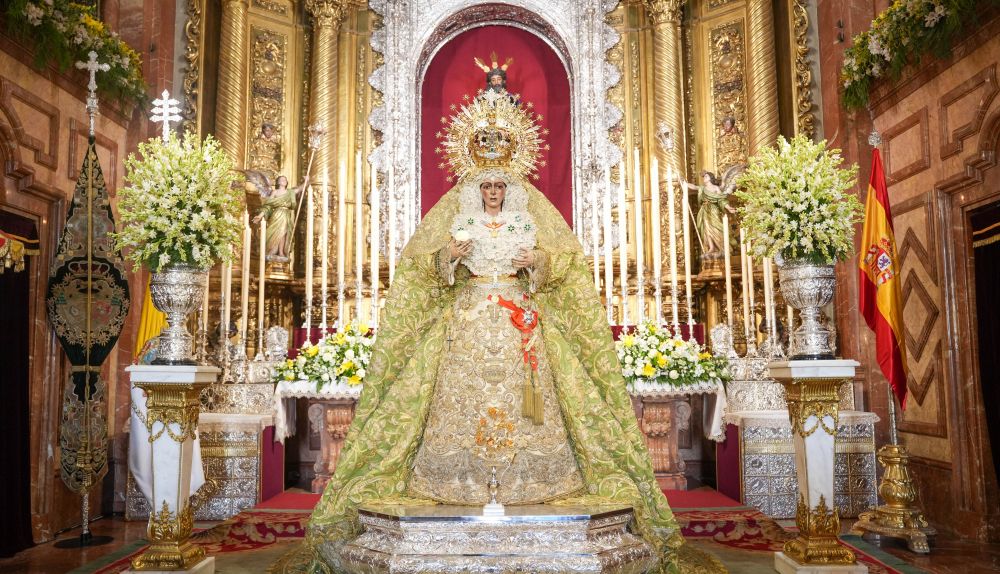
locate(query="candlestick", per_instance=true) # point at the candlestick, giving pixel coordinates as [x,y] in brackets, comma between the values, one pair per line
[203,330]
[204,306]
[609,277]
[672,240]
[623,242]
[376,237]
[260,288]
[245,280]
[654,214]
[743,284]
[640,252]
[686,228]
[727,261]
[310,214]
[341,241]
[359,236]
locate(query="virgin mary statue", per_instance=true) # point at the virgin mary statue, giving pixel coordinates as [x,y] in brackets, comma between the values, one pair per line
[493,325]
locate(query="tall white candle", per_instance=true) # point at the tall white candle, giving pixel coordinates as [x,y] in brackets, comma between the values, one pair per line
[727,261]
[609,277]
[393,224]
[593,236]
[743,284]
[227,295]
[245,280]
[750,290]
[260,286]
[623,242]
[640,251]
[310,215]
[374,209]
[654,214]
[772,307]
[324,272]
[359,236]
[766,275]
[341,241]
[204,305]
[672,240]
[686,227]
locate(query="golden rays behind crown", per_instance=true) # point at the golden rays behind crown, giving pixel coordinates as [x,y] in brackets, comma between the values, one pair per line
[493,130]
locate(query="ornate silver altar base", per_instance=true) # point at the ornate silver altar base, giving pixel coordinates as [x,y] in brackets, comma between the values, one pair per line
[541,539]
[811,392]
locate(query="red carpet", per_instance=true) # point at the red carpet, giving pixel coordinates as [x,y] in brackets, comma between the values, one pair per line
[289,500]
[702,498]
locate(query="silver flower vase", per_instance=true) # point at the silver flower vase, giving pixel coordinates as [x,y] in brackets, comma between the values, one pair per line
[808,288]
[177,290]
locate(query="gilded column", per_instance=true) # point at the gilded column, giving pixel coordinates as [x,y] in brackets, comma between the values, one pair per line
[762,76]
[327,16]
[668,100]
[231,107]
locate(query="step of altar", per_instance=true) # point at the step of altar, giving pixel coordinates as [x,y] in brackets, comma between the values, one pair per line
[541,539]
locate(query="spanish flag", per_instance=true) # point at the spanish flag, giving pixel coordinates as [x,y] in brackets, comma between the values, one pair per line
[881,299]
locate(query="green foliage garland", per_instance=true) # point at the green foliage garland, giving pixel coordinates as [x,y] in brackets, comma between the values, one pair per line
[901,35]
[65,32]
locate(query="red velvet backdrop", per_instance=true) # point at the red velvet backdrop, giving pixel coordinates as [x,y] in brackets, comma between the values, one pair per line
[536,74]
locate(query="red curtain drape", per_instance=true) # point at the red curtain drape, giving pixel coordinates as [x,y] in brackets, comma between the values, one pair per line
[536,74]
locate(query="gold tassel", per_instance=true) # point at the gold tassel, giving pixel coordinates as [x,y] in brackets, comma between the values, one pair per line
[539,404]
[527,408]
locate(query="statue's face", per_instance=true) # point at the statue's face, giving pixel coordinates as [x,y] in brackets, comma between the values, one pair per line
[493,190]
[496,81]
[707,179]
[281,182]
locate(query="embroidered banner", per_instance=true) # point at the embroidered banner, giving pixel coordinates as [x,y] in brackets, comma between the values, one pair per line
[87,301]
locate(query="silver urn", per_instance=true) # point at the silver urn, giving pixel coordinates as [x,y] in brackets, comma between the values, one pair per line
[809,288]
[177,290]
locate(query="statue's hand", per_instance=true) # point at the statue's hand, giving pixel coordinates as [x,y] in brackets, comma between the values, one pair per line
[457,249]
[525,258]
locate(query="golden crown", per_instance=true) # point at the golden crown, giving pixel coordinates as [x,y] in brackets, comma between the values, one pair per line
[493,130]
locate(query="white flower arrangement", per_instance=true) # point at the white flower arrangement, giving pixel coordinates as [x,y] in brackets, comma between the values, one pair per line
[652,355]
[797,202]
[180,206]
[340,358]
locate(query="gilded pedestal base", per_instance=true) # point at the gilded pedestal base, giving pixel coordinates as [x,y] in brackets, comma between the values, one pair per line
[897,518]
[540,539]
[817,540]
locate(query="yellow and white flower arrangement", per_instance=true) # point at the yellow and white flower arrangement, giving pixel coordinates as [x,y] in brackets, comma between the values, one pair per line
[652,355]
[797,202]
[180,206]
[339,358]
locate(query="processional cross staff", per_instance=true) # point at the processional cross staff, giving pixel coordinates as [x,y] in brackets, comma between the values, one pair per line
[166,110]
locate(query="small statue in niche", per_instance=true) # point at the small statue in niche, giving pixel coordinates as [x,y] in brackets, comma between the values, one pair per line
[713,201]
[265,151]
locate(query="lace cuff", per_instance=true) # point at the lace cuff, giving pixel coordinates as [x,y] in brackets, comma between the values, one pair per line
[538,274]
[444,266]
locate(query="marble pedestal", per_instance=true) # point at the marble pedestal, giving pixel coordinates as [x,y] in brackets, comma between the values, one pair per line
[811,392]
[540,539]
[170,423]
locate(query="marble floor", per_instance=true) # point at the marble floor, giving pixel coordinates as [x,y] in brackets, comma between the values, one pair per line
[948,555]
